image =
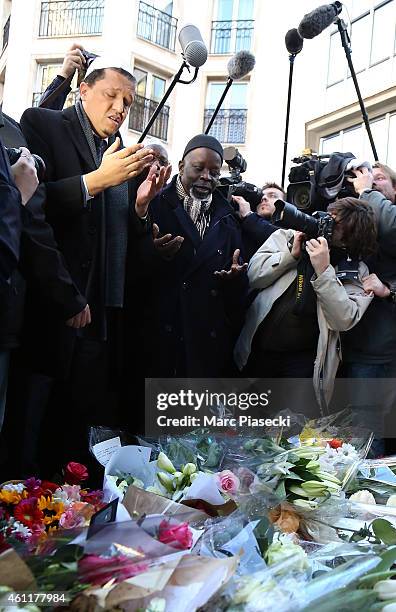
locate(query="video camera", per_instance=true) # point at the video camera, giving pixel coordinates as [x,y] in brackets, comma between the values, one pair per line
[303,190]
[233,184]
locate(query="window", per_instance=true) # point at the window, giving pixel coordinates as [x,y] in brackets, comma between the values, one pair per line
[150,89]
[337,63]
[230,123]
[382,43]
[360,37]
[157,88]
[157,24]
[71,17]
[355,140]
[45,75]
[233,28]
[373,38]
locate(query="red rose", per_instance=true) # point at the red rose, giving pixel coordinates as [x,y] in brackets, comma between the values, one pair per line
[75,473]
[335,443]
[177,536]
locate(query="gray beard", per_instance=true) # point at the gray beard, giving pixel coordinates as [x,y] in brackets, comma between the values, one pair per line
[200,199]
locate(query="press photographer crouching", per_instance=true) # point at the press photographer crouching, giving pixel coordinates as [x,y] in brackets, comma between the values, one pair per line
[308,294]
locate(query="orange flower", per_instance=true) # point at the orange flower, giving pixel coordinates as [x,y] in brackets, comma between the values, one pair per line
[287,520]
[10,497]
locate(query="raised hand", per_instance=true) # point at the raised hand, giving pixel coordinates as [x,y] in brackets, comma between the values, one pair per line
[167,246]
[236,269]
[151,187]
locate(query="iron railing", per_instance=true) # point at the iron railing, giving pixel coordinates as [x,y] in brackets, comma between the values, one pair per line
[6,32]
[229,125]
[140,113]
[70,100]
[231,36]
[156,26]
[71,17]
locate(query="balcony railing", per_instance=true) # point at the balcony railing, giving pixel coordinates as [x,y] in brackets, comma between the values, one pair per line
[71,17]
[6,32]
[229,125]
[140,113]
[156,26]
[70,100]
[231,36]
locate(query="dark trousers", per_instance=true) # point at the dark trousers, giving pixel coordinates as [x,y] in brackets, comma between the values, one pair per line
[282,364]
[297,394]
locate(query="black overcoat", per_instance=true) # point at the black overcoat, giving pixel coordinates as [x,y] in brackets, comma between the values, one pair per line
[194,317]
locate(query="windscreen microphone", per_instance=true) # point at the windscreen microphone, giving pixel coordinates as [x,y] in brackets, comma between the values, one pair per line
[294,42]
[240,65]
[194,49]
[316,21]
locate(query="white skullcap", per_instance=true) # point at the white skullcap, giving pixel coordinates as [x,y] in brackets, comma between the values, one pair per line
[109,62]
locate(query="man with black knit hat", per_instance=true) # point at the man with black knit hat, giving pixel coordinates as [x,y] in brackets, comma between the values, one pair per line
[199,284]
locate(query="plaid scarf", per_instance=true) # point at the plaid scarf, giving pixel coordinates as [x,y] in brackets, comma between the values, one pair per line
[199,211]
[116,211]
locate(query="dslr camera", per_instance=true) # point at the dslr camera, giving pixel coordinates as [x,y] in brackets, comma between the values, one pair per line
[233,184]
[14,154]
[288,216]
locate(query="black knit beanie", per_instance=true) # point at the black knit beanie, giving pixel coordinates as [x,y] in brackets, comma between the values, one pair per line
[204,141]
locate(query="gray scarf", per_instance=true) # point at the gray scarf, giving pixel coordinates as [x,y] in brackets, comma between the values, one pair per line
[116,205]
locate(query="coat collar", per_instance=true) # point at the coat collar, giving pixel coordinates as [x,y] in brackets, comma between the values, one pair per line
[205,248]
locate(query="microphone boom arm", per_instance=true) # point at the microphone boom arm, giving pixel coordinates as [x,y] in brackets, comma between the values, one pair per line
[176,79]
[346,43]
[213,117]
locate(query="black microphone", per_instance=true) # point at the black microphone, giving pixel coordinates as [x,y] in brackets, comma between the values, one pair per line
[294,42]
[193,46]
[318,20]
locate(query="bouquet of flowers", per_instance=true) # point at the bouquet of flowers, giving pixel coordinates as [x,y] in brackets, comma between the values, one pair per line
[32,509]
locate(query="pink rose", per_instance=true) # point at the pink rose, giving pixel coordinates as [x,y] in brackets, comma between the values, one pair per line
[177,536]
[72,492]
[70,519]
[75,473]
[227,482]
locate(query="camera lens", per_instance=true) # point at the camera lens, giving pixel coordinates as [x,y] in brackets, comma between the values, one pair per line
[302,197]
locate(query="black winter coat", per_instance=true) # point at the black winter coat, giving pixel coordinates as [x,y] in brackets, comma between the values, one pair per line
[193,318]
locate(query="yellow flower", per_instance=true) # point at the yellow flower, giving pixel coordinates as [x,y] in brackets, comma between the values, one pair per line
[53,510]
[9,497]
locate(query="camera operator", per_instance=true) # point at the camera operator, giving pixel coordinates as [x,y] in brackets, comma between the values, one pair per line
[256,226]
[275,341]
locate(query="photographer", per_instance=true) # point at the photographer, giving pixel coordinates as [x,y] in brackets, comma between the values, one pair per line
[256,226]
[275,341]
[367,354]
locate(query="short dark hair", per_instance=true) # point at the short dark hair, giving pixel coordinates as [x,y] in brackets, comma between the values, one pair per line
[97,75]
[274,186]
[388,171]
[359,229]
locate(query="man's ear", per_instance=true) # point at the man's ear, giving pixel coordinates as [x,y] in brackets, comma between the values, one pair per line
[83,90]
[181,167]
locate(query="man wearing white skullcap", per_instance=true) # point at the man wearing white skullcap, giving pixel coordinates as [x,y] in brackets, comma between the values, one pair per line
[92,212]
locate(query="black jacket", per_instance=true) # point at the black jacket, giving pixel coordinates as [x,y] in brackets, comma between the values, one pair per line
[373,339]
[79,228]
[41,265]
[193,318]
